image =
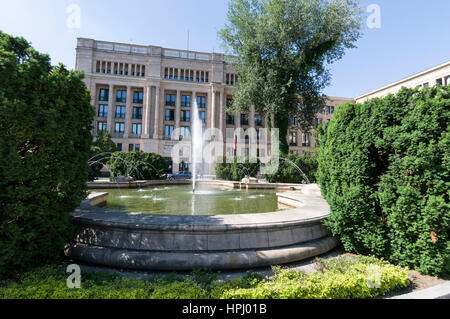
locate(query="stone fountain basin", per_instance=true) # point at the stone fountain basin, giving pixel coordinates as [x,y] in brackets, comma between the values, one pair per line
[169,242]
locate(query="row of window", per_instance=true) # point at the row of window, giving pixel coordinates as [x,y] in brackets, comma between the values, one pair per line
[231,79]
[186,75]
[120,112]
[439,81]
[185,100]
[306,142]
[131,147]
[117,68]
[121,96]
[119,127]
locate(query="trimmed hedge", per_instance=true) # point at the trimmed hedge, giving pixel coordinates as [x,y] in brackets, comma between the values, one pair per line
[45,124]
[341,278]
[139,165]
[236,171]
[384,168]
[287,173]
[103,144]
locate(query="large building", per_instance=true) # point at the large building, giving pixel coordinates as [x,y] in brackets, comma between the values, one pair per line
[438,75]
[143,94]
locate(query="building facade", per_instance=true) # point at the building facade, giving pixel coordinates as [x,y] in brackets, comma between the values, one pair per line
[143,95]
[438,75]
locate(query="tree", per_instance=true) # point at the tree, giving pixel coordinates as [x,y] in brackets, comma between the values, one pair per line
[282,48]
[45,124]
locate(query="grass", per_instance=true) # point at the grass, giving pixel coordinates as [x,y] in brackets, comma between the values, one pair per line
[339,278]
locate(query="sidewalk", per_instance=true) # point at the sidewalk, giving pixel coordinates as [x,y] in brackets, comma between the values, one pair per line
[441,291]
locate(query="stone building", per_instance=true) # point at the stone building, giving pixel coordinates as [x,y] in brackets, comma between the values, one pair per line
[143,94]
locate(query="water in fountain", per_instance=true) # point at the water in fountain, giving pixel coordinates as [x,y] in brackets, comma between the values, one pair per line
[197,144]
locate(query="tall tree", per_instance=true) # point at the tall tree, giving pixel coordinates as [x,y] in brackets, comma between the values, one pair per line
[283,48]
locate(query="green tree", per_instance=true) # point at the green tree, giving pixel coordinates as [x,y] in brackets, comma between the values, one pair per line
[283,48]
[45,124]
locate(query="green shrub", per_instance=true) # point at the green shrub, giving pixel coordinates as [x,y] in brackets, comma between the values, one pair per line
[340,278]
[236,169]
[384,168]
[288,173]
[101,149]
[139,165]
[45,138]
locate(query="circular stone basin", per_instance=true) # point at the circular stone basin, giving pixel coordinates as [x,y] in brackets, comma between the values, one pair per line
[167,242]
[180,200]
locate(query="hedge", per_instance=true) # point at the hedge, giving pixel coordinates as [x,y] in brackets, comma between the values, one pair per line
[384,168]
[139,165]
[45,124]
[234,169]
[288,173]
[341,278]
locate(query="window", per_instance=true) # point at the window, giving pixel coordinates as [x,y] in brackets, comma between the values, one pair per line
[120,112]
[168,132]
[119,147]
[169,165]
[186,101]
[138,97]
[136,128]
[121,96]
[130,147]
[101,126]
[103,110]
[327,110]
[305,140]
[119,127]
[229,102]
[103,95]
[244,119]
[185,132]
[293,139]
[230,119]
[137,113]
[185,116]
[332,110]
[258,120]
[202,116]
[425,85]
[170,99]
[137,147]
[169,115]
[184,167]
[201,101]
[438,81]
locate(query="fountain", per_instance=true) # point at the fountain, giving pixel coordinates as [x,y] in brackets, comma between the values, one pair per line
[197,144]
[184,226]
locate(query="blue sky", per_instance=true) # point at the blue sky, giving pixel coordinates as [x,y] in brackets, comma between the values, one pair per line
[414,34]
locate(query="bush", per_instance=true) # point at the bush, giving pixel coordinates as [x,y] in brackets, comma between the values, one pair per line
[339,278]
[45,138]
[288,173]
[384,168]
[101,149]
[139,165]
[236,171]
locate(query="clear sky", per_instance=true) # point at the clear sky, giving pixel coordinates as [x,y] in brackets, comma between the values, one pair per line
[413,36]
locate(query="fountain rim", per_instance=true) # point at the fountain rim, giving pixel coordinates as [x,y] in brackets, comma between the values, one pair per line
[311,209]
